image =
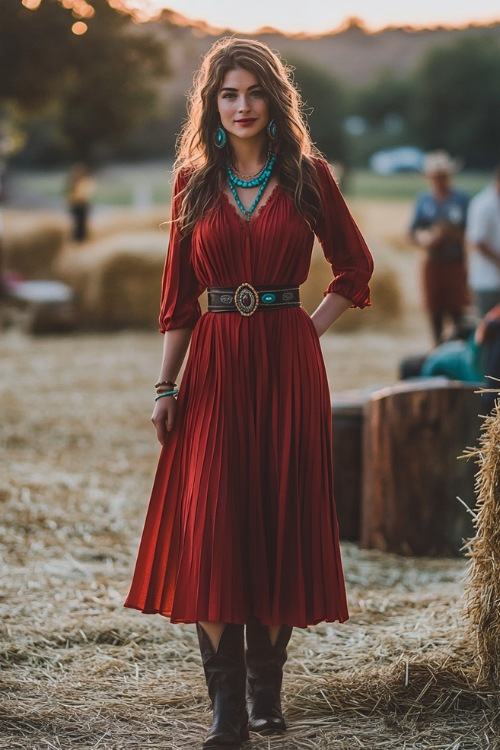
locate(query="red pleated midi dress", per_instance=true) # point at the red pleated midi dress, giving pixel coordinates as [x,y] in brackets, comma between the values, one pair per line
[242,515]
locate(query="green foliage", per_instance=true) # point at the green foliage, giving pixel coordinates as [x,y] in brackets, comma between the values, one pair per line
[33,51]
[457,100]
[451,101]
[43,143]
[324,100]
[386,95]
[385,104]
[97,87]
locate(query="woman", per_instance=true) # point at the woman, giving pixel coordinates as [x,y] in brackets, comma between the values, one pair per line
[241,528]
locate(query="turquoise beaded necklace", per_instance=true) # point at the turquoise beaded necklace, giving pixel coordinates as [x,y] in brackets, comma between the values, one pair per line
[261,179]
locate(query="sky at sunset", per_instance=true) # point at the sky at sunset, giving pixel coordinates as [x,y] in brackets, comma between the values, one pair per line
[317,16]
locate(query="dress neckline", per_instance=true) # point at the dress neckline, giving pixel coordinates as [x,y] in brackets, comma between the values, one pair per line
[256,214]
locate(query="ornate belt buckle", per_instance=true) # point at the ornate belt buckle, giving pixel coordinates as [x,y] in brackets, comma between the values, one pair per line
[246,299]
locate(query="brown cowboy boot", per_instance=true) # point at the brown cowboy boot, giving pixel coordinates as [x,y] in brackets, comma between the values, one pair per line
[264,677]
[225,677]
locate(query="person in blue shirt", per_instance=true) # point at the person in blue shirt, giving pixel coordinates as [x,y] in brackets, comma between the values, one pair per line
[438,227]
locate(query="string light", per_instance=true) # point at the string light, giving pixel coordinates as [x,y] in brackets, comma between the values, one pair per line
[79,28]
[80,8]
[31,4]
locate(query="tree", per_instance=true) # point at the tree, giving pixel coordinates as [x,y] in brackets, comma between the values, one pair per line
[384,106]
[34,48]
[110,90]
[387,95]
[324,101]
[100,84]
[457,100]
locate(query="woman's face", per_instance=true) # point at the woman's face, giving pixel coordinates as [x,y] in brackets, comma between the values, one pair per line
[242,105]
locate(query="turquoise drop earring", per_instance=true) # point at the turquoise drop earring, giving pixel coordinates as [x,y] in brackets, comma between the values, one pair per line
[220,137]
[272,130]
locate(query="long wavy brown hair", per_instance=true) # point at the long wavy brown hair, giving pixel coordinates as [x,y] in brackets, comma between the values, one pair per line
[205,164]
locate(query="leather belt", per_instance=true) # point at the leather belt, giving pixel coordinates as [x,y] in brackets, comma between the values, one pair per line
[247,299]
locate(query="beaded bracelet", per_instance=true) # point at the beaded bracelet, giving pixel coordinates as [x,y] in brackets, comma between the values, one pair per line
[166,382]
[167,393]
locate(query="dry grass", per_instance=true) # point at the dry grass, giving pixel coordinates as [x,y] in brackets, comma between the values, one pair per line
[79,671]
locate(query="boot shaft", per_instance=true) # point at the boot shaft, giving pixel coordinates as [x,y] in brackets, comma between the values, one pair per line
[265,662]
[226,664]
[261,653]
[225,675]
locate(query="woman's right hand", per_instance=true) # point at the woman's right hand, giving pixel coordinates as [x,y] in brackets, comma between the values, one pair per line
[163,417]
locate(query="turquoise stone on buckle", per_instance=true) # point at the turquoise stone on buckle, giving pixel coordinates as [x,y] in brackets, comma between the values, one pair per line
[246,299]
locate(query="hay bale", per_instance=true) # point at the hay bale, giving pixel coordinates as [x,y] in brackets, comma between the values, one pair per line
[385,291]
[387,298]
[33,242]
[121,220]
[483,586]
[117,280]
[389,221]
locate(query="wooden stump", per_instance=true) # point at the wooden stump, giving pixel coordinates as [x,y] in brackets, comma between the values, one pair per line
[347,433]
[414,433]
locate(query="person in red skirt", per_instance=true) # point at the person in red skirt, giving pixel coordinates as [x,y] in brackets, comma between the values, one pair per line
[241,530]
[438,226]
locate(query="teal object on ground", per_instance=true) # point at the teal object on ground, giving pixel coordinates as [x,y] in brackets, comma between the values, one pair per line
[457,360]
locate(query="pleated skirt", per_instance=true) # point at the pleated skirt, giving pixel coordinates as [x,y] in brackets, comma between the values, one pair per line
[242,516]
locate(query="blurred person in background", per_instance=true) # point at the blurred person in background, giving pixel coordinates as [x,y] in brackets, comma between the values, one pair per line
[483,236]
[241,530]
[79,190]
[473,359]
[438,227]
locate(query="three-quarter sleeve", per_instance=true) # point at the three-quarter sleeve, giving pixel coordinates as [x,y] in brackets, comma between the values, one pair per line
[180,288]
[342,242]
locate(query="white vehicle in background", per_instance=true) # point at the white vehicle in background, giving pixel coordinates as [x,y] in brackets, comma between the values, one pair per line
[394,160]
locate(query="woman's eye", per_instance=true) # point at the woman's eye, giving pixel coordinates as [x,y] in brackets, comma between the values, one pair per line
[228,95]
[257,93]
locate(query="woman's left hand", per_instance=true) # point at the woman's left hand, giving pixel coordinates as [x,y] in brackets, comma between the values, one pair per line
[330,309]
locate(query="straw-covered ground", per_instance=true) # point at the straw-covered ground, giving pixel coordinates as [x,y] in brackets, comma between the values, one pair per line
[79,671]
